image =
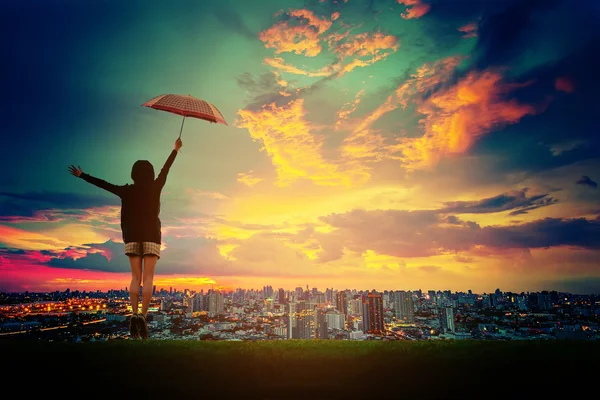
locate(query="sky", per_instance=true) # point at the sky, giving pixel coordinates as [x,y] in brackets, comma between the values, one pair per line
[371,144]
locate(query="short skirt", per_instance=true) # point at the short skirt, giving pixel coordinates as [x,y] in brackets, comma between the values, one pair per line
[142,248]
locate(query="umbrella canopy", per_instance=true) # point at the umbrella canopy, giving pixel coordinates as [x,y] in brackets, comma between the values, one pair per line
[186,105]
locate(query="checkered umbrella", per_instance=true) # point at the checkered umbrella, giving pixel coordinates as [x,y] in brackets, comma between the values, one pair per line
[188,106]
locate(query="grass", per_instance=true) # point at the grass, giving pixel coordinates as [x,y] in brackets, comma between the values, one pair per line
[306,369]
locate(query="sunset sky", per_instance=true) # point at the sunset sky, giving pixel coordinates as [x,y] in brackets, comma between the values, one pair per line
[372,144]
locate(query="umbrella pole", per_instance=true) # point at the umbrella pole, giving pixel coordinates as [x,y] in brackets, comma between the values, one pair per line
[181,126]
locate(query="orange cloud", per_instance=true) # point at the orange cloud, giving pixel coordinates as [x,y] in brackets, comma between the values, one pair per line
[414,8]
[294,150]
[280,64]
[366,144]
[248,179]
[455,117]
[364,49]
[564,84]
[469,30]
[301,35]
[348,109]
[27,240]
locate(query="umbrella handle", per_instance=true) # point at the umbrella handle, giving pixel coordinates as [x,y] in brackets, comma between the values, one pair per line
[181,130]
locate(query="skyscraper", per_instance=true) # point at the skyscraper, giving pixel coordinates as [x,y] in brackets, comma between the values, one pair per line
[372,307]
[215,303]
[321,325]
[404,306]
[447,319]
[281,296]
[342,302]
[305,325]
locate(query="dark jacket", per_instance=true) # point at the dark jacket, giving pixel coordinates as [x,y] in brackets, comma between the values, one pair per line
[140,205]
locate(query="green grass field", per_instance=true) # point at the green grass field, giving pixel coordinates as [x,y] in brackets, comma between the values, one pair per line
[305,369]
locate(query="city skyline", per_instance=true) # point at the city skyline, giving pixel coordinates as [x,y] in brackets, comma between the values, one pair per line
[385,144]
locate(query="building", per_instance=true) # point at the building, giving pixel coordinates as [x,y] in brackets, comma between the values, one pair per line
[447,319]
[321,325]
[215,303]
[335,320]
[372,313]
[342,302]
[355,307]
[404,306]
[305,325]
[281,296]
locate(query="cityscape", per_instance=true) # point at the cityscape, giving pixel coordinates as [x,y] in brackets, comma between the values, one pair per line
[302,313]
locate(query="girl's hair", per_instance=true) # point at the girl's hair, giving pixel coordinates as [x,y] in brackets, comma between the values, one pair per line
[142,172]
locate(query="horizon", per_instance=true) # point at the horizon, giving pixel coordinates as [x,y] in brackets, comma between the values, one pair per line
[291,289]
[379,143]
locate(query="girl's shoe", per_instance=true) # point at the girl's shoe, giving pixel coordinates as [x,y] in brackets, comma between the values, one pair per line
[143,326]
[134,326]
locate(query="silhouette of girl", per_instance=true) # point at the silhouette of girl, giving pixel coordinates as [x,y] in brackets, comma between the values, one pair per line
[140,225]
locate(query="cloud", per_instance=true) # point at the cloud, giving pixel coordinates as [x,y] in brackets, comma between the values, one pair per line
[414,8]
[564,84]
[469,30]
[248,179]
[27,204]
[455,117]
[424,233]
[197,193]
[348,109]
[515,200]
[502,34]
[295,152]
[365,144]
[301,34]
[357,51]
[587,181]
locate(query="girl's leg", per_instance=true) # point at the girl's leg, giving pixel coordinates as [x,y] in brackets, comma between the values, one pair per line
[136,278]
[148,284]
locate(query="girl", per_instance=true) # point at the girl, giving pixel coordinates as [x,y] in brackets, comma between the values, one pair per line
[140,225]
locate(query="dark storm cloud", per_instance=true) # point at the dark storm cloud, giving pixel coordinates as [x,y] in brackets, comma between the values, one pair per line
[587,181]
[500,35]
[27,204]
[175,259]
[585,285]
[517,201]
[422,233]
[569,121]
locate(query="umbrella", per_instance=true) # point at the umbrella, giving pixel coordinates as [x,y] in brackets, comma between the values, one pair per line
[188,106]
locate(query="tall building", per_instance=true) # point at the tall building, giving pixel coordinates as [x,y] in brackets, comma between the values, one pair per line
[372,313]
[291,326]
[305,325]
[447,319]
[215,303]
[281,296]
[321,325]
[198,303]
[335,320]
[153,290]
[404,306]
[355,307]
[342,302]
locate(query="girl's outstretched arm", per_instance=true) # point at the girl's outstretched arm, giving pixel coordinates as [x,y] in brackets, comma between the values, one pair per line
[162,176]
[115,189]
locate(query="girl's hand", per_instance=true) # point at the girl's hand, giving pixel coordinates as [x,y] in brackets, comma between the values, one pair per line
[178,144]
[75,171]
